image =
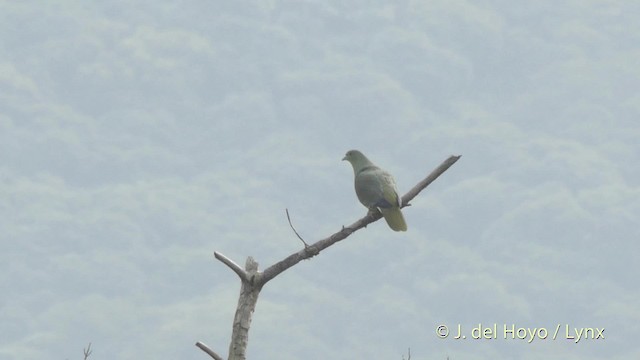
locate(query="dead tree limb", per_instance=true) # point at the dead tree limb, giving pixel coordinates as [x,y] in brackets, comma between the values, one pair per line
[206,349]
[233,266]
[253,280]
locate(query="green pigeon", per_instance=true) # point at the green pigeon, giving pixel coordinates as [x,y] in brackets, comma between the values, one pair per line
[376,189]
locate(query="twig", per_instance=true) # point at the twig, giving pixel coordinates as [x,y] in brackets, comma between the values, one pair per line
[408,355]
[206,349]
[294,229]
[87,352]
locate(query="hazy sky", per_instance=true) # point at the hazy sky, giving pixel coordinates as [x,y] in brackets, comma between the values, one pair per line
[138,137]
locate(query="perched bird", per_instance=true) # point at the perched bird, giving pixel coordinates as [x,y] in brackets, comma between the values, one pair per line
[376,189]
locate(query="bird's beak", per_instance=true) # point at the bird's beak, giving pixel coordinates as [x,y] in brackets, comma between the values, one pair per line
[344,158]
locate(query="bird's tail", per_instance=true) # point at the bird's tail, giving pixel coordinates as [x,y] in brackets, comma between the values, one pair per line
[394,218]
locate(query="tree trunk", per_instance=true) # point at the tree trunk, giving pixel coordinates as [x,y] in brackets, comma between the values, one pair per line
[249,292]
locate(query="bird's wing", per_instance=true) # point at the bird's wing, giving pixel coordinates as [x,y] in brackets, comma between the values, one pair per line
[368,187]
[376,187]
[389,189]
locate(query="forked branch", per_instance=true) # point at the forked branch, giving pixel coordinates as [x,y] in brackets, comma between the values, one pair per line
[253,280]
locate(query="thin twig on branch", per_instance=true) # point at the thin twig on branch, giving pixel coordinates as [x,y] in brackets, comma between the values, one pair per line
[294,229]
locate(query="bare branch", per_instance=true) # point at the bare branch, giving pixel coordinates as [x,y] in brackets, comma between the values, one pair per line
[315,248]
[408,356]
[87,352]
[206,349]
[253,280]
[294,229]
[429,179]
[232,265]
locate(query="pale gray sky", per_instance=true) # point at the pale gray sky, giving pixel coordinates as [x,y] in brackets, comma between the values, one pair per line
[137,137]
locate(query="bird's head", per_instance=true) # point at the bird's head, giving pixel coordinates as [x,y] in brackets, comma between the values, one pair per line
[352,155]
[357,159]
